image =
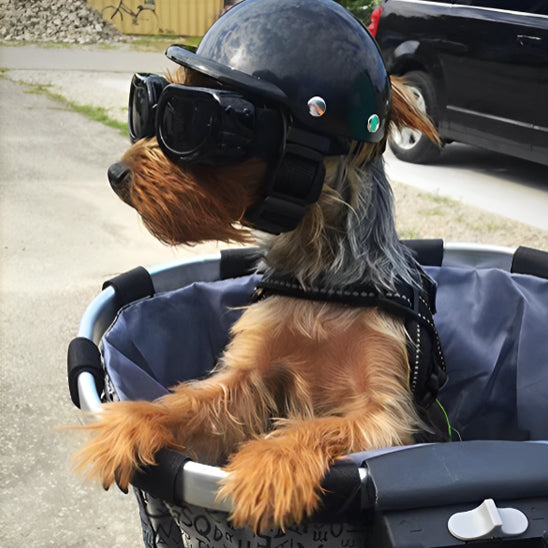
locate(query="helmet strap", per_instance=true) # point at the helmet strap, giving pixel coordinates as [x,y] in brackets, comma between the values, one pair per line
[294,183]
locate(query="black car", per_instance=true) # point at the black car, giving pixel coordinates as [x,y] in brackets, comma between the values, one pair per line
[478,67]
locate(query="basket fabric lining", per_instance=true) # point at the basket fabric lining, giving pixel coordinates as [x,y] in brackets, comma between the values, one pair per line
[492,324]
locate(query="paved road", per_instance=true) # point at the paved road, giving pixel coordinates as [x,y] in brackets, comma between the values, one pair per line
[81,59]
[497,183]
[62,232]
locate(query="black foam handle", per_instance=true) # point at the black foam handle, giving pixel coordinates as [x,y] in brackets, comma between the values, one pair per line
[131,286]
[83,356]
[239,261]
[530,261]
[427,252]
[342,492]
[164,480]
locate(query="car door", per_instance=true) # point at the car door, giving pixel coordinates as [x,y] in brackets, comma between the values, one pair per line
[497,81]
[536,43]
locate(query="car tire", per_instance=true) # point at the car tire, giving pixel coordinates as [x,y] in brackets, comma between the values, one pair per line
[411,145]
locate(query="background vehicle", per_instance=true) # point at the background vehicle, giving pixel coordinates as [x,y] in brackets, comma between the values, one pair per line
[478,67]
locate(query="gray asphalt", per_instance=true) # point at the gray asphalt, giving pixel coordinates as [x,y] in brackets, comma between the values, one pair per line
[62,233]
[498,183]
[117,59]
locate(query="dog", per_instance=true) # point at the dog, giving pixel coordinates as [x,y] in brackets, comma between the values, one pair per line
[303,381]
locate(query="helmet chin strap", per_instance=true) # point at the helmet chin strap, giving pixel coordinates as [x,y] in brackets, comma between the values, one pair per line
[295,182]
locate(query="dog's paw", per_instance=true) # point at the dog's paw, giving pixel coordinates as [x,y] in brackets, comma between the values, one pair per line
[126,437]
[272,485]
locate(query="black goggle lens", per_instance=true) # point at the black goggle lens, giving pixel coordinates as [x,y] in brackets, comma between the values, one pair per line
[184,125]
[141,111]
[144,94]
[208,126]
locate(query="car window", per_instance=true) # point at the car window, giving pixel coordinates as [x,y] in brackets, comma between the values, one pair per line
[539,7]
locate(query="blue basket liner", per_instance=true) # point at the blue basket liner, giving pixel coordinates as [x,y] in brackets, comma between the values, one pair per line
[493,326]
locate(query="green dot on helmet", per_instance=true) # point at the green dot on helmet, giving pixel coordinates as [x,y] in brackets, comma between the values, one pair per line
[374,123]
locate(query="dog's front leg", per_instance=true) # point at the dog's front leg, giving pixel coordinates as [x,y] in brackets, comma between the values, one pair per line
[276,481]
[221,409]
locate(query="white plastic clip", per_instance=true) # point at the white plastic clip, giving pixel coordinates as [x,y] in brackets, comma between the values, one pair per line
[487,521]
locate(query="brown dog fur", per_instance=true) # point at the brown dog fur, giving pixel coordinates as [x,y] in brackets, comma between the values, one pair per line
[301,383]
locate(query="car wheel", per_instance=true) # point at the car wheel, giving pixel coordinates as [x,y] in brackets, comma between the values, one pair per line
[408,144]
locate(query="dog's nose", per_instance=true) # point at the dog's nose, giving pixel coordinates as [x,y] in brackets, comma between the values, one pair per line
[119,176]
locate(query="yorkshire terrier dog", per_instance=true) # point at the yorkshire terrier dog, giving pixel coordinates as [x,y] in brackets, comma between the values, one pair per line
[303,381]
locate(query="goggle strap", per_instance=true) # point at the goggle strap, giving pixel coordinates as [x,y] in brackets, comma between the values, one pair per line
[295,184]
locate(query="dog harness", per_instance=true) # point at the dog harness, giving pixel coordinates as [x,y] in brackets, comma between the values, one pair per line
[416,306]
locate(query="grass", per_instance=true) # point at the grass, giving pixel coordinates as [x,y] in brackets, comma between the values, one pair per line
[100,114]
[144,43]
[49,44]
[424,215]
[409,234]
[97,114]
[161,43]
[439,199]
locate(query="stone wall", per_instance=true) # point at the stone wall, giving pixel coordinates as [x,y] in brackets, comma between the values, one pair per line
[66,21]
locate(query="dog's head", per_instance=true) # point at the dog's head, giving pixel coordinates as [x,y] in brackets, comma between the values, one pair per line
[333,105]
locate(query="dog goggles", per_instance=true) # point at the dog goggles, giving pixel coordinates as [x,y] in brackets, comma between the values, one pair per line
[222,127]
[202,125]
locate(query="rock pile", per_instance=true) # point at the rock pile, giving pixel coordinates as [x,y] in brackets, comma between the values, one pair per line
[67,21]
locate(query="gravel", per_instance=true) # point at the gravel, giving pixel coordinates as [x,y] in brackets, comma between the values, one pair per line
[422,214]
[74,22]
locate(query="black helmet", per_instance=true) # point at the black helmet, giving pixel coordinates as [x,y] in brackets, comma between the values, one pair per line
[320,66]
[312,56]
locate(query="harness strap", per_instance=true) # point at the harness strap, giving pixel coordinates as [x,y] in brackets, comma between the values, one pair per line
[416,306]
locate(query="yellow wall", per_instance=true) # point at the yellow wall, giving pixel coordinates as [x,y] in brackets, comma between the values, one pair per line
[179,17]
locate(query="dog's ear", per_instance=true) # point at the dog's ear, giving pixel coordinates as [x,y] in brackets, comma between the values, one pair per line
[405,111]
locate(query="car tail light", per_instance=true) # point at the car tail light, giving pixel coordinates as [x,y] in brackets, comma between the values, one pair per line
[374,21]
